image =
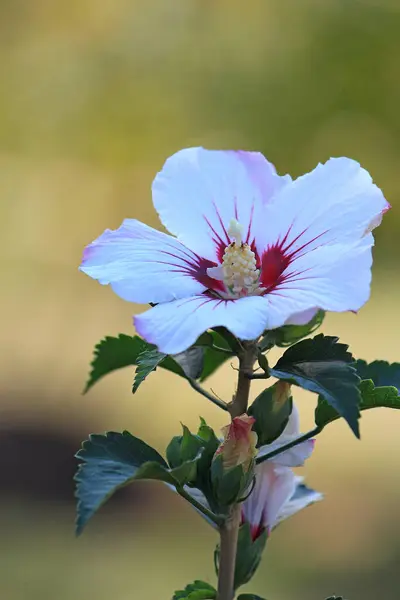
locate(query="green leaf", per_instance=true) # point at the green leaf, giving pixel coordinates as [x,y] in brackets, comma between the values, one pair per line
[322,365]
[380,371]
[110,462]
[271,410]
[147,361]
[290,334]
[190,362]
[249,597]
[199,590]
[371,397]
[113,353]
[199,361]
[213,358]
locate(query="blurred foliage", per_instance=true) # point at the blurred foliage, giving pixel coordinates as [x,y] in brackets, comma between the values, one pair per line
[94,95]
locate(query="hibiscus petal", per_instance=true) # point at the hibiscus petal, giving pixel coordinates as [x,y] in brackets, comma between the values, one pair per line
[175,326]
[303,496]
[143,265]
[303,317]
[296,456]
[199,191]
[337,202]
[335,278]
[274,486]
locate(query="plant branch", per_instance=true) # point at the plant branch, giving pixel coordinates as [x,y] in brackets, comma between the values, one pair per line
[258,376]
[229,533]
[229,530]
[196,386]
[217,520]
[284,447]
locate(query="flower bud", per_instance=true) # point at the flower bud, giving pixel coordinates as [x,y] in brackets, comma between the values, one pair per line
[239,444]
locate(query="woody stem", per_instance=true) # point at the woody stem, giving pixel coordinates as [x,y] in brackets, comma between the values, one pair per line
[230,529]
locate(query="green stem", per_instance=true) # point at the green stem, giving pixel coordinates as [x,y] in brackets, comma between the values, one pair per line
[229,530]
[196,386]
[296,442]
[206,512]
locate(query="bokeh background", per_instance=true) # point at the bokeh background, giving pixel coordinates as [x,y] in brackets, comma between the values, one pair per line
[94,95]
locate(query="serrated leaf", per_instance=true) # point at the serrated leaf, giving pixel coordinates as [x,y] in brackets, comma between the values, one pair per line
[199,361]
[381,372]
[371,397]
[113,353]
[147,361]
[199,590]
[110,462]
[271,411]
[322,365]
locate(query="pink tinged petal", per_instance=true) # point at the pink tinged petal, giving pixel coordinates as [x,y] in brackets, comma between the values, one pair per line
[198,192]
[303,317]
[263,174]
[293,425]
[296,456]
[335,278]
[302,497]
[144,265]
[174,326]
[274,486]
[335,203]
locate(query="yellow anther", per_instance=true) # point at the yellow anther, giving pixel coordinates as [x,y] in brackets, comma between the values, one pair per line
[239,264]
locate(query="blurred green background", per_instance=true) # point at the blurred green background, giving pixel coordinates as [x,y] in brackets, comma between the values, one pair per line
[95,94]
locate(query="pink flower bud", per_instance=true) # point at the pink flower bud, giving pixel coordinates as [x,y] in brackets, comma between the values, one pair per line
[239,444]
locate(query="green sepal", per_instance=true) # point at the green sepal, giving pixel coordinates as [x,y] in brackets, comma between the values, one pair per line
[197,448]
[183,447]
[198,590]
[322,365]
[248,556]
[229,486]
[263,362]
[271,412]
[290,334]
[371,397]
